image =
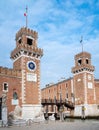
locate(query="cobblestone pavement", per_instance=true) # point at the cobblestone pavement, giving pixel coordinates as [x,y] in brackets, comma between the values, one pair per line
[58,125]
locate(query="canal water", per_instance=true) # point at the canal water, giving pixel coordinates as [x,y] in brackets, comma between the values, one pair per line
[80,120]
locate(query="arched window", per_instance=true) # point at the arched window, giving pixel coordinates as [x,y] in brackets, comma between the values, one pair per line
[87,62]
[15,95]
[5,87]
[79,62]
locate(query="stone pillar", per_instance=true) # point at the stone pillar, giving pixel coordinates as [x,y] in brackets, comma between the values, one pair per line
[4,115]
[4,109]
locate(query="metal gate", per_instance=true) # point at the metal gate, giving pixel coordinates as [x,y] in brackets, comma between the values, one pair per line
[0,108]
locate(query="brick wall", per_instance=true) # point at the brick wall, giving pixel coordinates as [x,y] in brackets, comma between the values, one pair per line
[14,84]
[62,89]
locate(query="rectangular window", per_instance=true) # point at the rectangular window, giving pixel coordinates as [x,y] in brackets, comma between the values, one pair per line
[66,85]
[79,62]
[20,41]
[5,87]
[29,41]
[90,86]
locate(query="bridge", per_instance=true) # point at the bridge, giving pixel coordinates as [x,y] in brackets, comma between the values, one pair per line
[60,106]
[58,103]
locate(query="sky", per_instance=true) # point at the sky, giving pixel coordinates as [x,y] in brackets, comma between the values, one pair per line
[60,25]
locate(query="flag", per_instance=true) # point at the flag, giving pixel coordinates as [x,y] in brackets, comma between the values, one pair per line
[81,39]
[25,14]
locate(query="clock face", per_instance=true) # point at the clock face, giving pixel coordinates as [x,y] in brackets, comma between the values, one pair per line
[31,65]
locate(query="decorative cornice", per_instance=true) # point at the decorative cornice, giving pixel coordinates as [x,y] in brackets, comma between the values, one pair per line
[35,52]
[82,68]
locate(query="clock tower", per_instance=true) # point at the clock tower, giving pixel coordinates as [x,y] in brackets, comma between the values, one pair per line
[84,89]
[26,58]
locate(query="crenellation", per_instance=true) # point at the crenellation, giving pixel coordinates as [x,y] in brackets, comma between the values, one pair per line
[3,70]
[85,54]
[35,35]
[9,72]
[26,31]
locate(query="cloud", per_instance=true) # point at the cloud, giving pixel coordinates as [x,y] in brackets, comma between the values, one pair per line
[57,61]
[60,25]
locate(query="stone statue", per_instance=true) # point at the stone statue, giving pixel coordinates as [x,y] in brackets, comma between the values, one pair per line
[4,98]
[17,112]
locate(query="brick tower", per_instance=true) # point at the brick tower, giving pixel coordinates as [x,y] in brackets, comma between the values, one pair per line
[26,58]
[84,89]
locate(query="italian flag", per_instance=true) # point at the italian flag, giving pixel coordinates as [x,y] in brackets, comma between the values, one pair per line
[25,14]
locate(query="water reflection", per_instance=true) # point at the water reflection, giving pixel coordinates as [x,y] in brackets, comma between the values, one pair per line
[80,120]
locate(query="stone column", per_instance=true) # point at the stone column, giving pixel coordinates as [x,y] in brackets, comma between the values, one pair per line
[4,109]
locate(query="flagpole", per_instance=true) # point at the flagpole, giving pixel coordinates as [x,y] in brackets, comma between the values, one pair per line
[81,41]
[26,16]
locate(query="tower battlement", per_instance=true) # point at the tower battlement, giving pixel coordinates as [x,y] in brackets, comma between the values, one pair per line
[22,49]
[9,72]
[26,31]
[83,63]
[26,44]
[83,54]
[81,68]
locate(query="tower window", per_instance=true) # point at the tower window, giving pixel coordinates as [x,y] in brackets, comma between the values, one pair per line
[20,41]
[66,85]
[29,41]
[79,62]
[60,88]
[86,61]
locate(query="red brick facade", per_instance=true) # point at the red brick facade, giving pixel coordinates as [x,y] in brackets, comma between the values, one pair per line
[23,80]
[13,79]
[81,89]
[97,90]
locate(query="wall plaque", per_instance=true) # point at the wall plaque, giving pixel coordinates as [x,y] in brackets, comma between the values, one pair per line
[32,77]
